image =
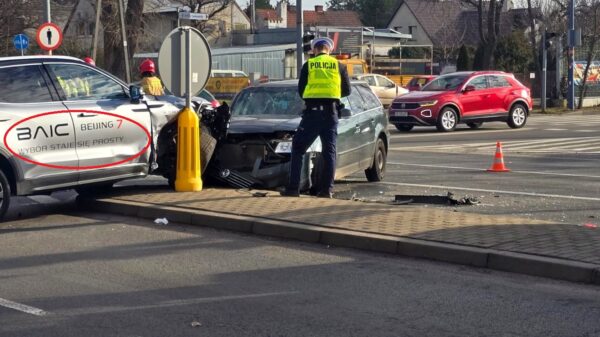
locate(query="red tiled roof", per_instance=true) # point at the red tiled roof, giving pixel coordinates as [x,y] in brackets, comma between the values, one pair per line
[326,18]
[267,14]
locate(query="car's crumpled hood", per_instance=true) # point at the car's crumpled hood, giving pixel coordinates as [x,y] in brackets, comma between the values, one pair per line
[239,124]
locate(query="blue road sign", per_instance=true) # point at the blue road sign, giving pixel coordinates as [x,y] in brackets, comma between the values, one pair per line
[21,41]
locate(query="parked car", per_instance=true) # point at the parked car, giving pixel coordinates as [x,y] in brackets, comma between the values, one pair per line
[264,119]
[66,124]
[383,87]
[205,94]
[418,82]
[464,97]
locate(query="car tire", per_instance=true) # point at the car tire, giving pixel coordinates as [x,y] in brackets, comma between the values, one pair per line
[517,117]
[475,125]
[404,127]
[5,194]
[377,170]
[447,120]
[316,175]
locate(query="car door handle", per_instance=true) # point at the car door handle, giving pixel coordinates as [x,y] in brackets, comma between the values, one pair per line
[86,115]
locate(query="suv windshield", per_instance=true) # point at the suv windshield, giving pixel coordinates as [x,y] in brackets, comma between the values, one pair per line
[268,101]
[446,83]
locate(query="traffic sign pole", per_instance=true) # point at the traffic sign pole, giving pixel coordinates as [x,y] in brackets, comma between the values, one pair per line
[189,168]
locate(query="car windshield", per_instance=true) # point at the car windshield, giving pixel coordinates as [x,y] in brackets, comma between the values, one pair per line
[446,83]
[269,102]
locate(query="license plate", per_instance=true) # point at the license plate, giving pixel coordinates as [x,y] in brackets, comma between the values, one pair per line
[399,113]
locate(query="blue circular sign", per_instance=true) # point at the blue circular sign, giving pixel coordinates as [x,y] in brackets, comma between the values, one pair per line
[21,41]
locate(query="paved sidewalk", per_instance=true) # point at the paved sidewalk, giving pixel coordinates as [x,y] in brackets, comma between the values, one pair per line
[499,242]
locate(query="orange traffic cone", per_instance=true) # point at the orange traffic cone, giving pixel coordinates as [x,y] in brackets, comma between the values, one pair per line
[498,165]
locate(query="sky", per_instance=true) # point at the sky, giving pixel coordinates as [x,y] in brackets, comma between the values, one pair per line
[306,4]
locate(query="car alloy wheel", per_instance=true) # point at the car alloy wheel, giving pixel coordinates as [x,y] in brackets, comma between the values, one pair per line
[377,170]
[447,120]
[517,116]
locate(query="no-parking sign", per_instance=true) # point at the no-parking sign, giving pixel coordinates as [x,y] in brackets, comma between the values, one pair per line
[49,36]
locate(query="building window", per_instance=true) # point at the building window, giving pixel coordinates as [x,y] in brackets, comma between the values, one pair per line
[398,28]
[412,29]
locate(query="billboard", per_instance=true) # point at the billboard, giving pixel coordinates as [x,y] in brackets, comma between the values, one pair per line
[593,74]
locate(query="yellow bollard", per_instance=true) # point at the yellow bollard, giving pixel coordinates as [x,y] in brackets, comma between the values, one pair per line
[189,176]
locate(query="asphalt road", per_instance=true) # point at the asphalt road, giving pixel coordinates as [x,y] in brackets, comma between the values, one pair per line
[554,162]
[99,275]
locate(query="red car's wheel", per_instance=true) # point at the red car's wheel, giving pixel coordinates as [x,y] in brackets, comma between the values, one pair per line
[447,120]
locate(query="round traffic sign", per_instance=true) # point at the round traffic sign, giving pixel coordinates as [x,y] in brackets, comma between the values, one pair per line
[172,56]
[49,36]
[21,41]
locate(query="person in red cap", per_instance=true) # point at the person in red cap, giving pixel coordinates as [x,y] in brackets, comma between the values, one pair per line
[151,84]
[89,61]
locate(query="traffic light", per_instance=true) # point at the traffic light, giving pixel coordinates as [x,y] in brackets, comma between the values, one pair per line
[306,39]
[548,39]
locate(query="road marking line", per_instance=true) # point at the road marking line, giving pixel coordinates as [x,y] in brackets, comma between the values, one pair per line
[22,307]
[458,133]
[555,129]
[532,194]
[480,169]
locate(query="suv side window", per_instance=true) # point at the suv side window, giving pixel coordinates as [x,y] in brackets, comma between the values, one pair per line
[384,82]
[479,82]
[370,80]
[83,83]
[357,105]
[23,84]
[371,101]
[499,82]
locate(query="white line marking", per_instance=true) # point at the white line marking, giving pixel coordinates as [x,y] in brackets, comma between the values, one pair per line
[532,194]
[165,304]
[480,169]
[22,307]
[457,133]
[555,129]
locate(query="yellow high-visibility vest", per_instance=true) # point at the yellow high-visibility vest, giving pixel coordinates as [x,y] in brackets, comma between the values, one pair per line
[152,86]
[324,80]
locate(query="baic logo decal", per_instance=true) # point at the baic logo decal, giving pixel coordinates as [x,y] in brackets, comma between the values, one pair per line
[43,135]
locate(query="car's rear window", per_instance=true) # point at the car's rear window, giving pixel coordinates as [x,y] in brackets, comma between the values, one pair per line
[23,84]
[268,101]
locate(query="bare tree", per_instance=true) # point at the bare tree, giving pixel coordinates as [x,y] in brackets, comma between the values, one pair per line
[489,20]
[589,18]
[449,39]
[16,16]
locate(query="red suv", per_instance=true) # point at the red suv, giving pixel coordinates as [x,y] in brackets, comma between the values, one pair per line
[464,97]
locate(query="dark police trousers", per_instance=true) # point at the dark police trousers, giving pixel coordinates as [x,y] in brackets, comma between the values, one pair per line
[317,121]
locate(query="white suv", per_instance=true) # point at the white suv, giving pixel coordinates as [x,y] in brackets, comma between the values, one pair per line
[66,124]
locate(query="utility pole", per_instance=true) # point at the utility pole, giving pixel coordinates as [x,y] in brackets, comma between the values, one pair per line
[544,68]
[48,18]
[299,34]
[124,37]
[571,56]
[96,29]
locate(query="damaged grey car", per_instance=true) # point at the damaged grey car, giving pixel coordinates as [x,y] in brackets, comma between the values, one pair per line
[264,118]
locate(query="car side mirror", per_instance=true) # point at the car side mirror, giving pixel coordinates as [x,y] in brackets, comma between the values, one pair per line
[136,94]
[345,113]
[469,88]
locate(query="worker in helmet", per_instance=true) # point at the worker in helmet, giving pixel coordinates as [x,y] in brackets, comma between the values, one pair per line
[89,61]
[151,84]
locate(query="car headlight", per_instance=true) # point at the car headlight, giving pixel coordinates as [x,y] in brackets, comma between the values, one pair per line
[284,147]
[428,103]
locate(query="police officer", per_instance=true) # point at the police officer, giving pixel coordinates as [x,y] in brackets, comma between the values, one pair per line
[151,84]
[323,81]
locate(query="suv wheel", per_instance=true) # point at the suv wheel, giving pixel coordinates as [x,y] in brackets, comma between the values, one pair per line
[517,117]
[447,120]
[404,127]
[4,195]
[377,170]
[475,125]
